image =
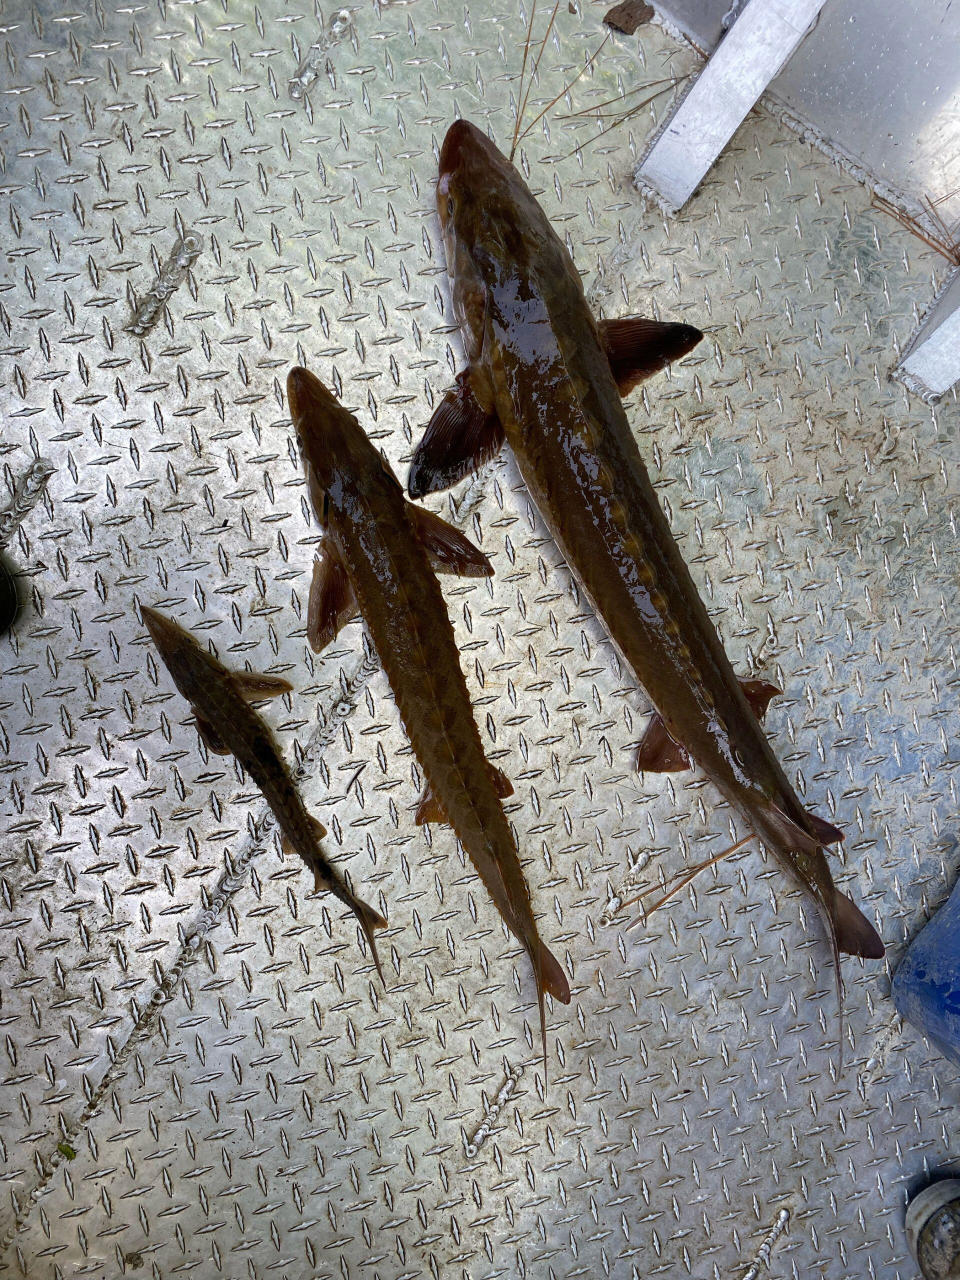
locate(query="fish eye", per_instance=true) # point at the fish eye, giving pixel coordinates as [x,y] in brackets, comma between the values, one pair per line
[450,206]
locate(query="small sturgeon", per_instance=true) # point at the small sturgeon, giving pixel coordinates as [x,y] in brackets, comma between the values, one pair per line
[220,700]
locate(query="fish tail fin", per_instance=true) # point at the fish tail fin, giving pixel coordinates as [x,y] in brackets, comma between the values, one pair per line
[831,922]
[855,935]
[549,976]
[850,931]
[369,921]
[538,976]
[551,973]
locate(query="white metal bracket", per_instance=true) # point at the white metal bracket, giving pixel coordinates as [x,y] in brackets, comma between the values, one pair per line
[931,364]
[754,50]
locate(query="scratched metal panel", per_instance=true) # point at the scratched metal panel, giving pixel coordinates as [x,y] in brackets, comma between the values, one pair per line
[201,1069]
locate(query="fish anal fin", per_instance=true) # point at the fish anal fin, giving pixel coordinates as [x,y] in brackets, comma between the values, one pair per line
[501,782]
[332,600]
[288,845]
[659,752]
[450,551]
[855,934]
[253,686]
[460,437]
[759,693]
[208,734]
[637,348]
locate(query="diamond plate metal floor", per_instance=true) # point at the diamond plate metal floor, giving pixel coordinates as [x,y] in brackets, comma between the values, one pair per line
[202,1072]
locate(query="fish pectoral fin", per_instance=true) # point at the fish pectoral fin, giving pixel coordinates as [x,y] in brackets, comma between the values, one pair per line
[449,550]
[209,736]
[759,693]
[253,686]
[637,348]
[429,809]
[332,600]
[659,752]
[460,437]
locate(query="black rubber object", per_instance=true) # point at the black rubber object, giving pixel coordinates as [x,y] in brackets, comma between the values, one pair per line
[9,599]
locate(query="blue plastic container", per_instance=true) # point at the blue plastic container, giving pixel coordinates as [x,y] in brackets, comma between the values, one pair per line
[926,986]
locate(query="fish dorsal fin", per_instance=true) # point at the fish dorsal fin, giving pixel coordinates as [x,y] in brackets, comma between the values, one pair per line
[332,599]
[759,693]
[450,551]
[460,437]
[430,809]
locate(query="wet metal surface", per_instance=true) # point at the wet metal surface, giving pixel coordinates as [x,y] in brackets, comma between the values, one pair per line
[200,1073]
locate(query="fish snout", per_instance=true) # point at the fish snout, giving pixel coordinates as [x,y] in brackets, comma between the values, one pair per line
[305,391]
[163,631]
[462,139]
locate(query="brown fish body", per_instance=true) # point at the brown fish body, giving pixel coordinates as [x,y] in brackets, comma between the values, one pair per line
[406,616]
[537,365]
[377,537]
[220,700]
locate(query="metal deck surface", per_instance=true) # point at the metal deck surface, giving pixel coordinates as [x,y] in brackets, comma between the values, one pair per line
[202,1073]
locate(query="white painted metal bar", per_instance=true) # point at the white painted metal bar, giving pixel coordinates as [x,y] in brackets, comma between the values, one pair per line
[931,364]
[751,54]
